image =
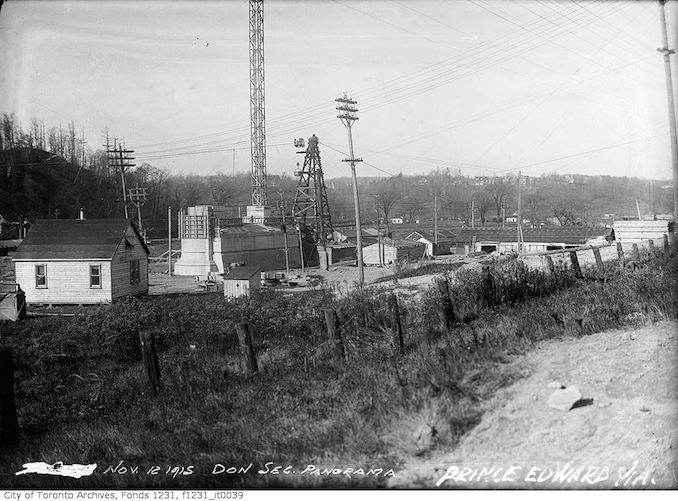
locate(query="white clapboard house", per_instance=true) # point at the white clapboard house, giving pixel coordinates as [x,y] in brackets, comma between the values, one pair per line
[81,261]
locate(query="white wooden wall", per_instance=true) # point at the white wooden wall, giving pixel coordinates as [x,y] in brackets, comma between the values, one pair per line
[121,285]
[67,282]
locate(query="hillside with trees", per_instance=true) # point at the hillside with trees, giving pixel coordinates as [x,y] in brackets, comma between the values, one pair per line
[49,172]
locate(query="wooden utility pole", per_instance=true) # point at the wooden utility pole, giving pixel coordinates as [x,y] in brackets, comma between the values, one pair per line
[347,115]
[672,109]
[169,241]
[520,220]
[473,214]
[435,217]
[286,250]
[376,209]
[638,211]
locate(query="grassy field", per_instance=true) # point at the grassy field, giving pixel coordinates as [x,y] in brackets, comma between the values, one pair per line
[83,395]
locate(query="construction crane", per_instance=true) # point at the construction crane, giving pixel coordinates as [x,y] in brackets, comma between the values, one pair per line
[311,209]
[257,109]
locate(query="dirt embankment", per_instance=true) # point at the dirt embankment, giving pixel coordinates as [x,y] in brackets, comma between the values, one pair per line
[622,435]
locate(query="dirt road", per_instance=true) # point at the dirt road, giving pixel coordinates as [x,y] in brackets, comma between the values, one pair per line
[623,436]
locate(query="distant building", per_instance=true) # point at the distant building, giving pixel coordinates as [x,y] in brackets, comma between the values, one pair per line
[77,261]
[393,251]
[513,218]
[10,227]
[636,231]
[428,239]
[534,239]
[397,220]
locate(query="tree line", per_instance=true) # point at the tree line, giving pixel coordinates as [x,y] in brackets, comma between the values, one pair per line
[52,172]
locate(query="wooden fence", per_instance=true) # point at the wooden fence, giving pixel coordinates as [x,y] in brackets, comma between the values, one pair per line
[624,254]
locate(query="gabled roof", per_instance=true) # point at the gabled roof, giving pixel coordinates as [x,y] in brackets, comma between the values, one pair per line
[75,239]
[443,235]
[241,273]
[399,243]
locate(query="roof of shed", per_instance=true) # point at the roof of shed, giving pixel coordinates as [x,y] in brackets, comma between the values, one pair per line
[443,236]
[74,239]
[399,243]
[241,273]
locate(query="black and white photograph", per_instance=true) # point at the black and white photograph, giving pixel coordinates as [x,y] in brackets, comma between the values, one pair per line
[255,246]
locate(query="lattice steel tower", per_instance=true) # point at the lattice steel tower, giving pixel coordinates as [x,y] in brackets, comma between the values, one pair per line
[310,202]
[257,113]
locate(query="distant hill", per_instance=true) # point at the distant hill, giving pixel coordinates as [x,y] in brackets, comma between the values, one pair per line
[38,184]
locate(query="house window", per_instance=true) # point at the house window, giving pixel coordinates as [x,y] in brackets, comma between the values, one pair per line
[134,276]
[40,276]
[95,276]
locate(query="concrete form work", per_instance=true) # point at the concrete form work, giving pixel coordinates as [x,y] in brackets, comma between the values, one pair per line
[208,247]
[196,230]
[255,245]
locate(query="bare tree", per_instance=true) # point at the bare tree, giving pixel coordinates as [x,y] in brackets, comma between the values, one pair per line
[534,206]
[499,192]
[388,194]
[483,203]
[9,126]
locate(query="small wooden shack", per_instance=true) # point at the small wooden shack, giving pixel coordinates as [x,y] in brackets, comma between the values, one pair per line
[239,281]
[12,302]
[81,261]
[429,240]
[393,251]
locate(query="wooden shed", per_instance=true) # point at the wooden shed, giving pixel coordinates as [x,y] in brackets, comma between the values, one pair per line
[81,261]
[393,251]
[12,302]
[239,281]
[428,239]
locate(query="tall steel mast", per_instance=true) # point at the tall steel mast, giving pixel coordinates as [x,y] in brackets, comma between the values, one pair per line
[257,109]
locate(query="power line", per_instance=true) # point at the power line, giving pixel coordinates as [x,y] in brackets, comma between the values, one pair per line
[421,76]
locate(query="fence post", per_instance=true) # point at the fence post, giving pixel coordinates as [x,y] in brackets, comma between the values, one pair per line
[636,253]
[150,359]
[666,244]
[334,333]
[599,261]
[575,264]
[620,253]
[9,424]
[447,309]
[246,348]
[549,265]
[488,287]
[652,251]
[397,328]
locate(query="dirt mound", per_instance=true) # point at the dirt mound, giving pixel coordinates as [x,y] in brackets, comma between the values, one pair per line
[620,434]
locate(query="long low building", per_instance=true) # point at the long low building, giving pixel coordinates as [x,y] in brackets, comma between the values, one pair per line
[534,239]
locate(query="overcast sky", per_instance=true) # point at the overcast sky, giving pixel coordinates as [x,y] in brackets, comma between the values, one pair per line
[489,87]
